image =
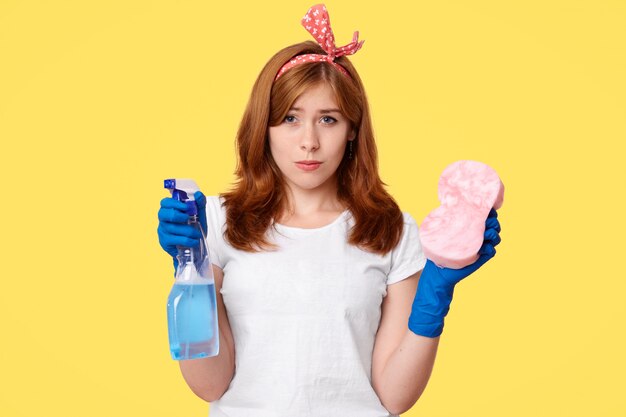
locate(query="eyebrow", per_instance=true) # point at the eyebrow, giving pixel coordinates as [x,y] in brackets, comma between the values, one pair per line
[323,111]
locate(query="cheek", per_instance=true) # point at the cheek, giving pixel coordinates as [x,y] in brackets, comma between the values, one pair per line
[278,151]
[340,142]
[338,150]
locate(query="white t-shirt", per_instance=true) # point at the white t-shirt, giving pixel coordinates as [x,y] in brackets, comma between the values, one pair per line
[304,318]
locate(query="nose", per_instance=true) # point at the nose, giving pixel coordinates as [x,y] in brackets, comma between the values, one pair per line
[309,141]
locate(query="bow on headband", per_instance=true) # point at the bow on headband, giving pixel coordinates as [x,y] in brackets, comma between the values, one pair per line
[317,22]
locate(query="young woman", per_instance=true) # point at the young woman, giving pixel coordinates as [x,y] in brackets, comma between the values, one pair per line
[316,267]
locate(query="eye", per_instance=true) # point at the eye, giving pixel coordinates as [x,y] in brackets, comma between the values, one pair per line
[328,120]
[289,119]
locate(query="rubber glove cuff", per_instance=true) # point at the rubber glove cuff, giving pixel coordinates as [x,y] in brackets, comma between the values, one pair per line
[431,303]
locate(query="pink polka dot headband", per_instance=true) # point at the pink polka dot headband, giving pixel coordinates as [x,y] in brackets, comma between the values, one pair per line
[317,23]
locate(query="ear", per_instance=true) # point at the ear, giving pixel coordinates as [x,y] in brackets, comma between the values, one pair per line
[352,135]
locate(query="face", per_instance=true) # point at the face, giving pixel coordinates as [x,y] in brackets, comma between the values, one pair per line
[309,144]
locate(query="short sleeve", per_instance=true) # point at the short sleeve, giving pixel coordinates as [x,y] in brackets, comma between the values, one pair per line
[407,257]
[215,224]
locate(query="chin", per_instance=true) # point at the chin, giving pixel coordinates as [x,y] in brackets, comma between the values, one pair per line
[309,184]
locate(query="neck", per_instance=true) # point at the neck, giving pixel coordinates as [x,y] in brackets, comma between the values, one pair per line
[305,202]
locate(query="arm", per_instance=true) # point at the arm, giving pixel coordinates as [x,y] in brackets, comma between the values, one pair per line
[209,378]
[402,361]
[403,358]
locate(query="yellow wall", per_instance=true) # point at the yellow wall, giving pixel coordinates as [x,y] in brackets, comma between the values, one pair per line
[102,100]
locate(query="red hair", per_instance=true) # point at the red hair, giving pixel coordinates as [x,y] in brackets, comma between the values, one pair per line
[259,194]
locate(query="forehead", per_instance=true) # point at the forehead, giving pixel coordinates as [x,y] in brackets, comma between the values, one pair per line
[317,96]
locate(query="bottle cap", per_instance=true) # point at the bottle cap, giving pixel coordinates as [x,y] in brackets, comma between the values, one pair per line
[183,190]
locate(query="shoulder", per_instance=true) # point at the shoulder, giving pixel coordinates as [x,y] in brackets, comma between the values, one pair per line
[408,218]
[407,257]
[215,210]
[214,203]
[214,200]
[410,230]
[216,222]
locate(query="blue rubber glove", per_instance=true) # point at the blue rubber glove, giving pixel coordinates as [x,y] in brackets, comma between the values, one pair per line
[436,285]
[174,229]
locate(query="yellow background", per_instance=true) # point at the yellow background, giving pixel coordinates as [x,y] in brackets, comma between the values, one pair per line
[102,100]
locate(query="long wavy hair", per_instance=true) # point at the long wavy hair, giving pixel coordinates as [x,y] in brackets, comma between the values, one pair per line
[259,194]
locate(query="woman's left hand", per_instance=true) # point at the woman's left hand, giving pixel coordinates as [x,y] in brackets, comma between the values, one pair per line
[436,285]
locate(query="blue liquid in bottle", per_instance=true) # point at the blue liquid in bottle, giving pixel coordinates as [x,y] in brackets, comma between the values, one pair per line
[192,321]
[191,306]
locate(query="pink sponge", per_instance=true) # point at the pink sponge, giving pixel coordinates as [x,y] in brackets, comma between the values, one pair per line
[452,234]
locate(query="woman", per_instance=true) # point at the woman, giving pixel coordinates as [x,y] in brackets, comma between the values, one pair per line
[316,267]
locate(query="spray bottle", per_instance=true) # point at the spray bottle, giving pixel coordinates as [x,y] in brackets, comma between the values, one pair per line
[191,305]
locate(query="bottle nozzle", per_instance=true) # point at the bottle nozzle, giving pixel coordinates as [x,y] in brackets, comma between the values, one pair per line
[183,190]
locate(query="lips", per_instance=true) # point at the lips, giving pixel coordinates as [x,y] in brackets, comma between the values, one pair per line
[308,165]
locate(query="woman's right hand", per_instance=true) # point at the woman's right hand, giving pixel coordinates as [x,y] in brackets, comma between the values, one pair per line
[173,229]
